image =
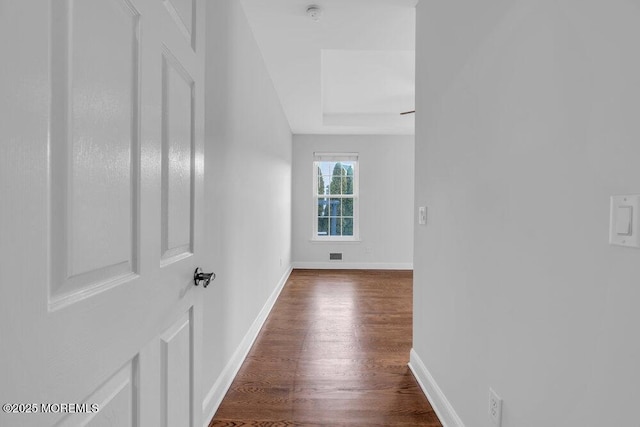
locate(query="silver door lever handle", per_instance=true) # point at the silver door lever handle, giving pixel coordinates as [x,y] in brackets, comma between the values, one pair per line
[203,278]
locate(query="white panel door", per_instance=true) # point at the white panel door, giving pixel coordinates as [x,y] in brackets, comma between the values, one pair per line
[101,175]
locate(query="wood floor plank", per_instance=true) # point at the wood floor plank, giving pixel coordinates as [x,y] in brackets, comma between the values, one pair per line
[333,352]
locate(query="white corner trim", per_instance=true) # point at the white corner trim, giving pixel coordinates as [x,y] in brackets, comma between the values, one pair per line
[214,397]
[436,397]
[340,265]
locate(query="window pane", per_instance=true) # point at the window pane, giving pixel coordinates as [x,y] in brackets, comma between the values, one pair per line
[347,206]
[335,207]
[326,169]
[347,181]
[323,226]
[348,185]
[348,166]
[347,226]
[336,185]
[323,207]
[321,184]
[326,180]
[335,226]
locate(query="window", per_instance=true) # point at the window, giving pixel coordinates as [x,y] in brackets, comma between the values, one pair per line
[335,198]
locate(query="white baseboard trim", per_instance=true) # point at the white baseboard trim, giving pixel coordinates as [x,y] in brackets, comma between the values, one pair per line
[436,397]
[339,265]
[214,397]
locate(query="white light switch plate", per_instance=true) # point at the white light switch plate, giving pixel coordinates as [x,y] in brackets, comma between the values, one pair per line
[621,208]
[422,215]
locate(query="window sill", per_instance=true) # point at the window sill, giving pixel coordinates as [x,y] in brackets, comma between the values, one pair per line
[334,241]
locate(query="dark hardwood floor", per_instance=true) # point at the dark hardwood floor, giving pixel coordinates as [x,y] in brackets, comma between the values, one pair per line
[333,352]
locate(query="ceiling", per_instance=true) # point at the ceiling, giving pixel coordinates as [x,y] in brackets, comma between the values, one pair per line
[352,72]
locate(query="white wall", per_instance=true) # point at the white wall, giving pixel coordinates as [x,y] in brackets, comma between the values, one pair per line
[528,121]
[386,202]
[247,194]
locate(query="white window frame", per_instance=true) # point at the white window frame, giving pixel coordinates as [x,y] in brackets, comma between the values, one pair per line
[336,157]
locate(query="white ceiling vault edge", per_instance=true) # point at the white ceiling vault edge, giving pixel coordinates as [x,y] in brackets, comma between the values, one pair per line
[352,72]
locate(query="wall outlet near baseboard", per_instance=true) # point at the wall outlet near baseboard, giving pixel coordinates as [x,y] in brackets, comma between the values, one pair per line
[495,408]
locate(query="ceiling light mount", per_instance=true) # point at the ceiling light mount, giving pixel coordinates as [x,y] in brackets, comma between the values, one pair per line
[314,12]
